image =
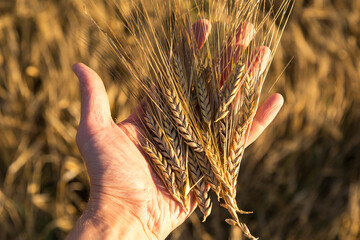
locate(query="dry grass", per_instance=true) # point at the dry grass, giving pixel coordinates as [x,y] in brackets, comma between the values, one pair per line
[303,184]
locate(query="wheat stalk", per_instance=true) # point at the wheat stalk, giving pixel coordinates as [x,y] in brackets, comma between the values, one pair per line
[198,122]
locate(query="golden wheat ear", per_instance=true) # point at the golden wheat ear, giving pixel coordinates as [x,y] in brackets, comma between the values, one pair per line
[202,85]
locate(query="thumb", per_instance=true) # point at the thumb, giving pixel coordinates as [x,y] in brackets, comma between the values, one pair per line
[95,109]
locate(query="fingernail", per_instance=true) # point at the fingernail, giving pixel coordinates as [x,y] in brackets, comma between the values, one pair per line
[201,30]
[75,69]
[245,33]
[259,60]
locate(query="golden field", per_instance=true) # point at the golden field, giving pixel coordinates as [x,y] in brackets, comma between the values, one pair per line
[301,178]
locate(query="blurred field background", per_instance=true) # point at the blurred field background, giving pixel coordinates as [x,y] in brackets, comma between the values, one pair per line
[301,178]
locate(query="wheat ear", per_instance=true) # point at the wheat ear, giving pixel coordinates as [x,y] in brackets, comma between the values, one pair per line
[163,170]
[229,92]
[162,141]
[203,96]
[250,99]
[243,228]
[181,121]
[200,187]
[235,152]
[179,72]
[182,174]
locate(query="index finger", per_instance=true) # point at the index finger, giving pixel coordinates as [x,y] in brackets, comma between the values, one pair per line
[233,50]
[201,31]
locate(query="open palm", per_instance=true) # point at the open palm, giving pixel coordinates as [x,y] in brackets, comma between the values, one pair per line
[125,191]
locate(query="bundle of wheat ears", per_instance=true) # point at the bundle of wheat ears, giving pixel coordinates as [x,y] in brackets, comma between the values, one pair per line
[202,69]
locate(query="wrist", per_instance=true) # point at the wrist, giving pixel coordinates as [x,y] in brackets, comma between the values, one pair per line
[105,220]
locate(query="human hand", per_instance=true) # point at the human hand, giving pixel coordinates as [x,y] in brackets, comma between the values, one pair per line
[127,199]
